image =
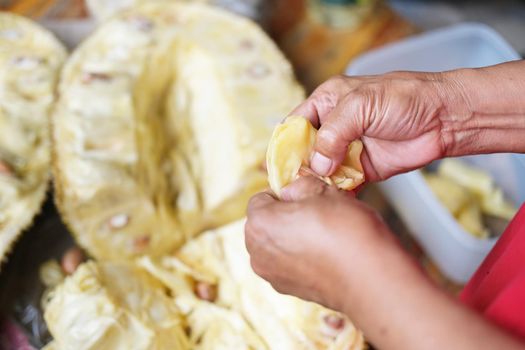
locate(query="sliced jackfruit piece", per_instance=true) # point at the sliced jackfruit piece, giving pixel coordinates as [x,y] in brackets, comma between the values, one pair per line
[479,182]
[470,218]
[30,60]
[290,149]
[182,102]
[110,305]
[452,195]
[474,179]
[470,193]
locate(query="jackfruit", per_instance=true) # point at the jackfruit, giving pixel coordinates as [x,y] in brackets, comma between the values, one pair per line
[219,257]
[161,127]
[30,60]
[470,194]
[113,305]
[289,153]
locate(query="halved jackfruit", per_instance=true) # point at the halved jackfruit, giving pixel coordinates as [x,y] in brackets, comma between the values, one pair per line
[30,59]
[113,305]
[289,152]
[216,297]
[161,127]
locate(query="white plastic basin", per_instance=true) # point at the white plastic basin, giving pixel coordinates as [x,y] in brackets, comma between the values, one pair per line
[456,252]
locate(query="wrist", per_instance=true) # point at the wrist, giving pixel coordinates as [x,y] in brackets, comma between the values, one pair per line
[380,266]
[482,110]
[455,112]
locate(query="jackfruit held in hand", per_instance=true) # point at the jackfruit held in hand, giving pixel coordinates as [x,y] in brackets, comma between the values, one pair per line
[290,150]
[161,127]
[30,59]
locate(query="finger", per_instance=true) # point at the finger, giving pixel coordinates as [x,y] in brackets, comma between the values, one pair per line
[315,107]
[302,188]
[323,100]
[343,125]
[263,213]
[260,200]
[371,174]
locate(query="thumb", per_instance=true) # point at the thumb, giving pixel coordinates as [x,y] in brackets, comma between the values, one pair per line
[302,188]
[342,126]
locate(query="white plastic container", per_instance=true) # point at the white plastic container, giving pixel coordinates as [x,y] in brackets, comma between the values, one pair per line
[455,251]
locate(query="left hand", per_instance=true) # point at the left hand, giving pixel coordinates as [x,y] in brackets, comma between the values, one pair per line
[321,244]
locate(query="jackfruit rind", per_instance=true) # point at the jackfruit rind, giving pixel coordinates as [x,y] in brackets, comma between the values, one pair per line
[182,102]
[30,59]
[289,152]
[111,305]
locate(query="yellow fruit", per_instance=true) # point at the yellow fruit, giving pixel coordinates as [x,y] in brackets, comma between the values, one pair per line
[452,195]
[215,296]
[219,257]
[468,193]
[161,126]
[113,306]
[30,59]
[289,152]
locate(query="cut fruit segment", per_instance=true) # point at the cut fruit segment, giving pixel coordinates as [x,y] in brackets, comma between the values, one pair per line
[30,60]
[113,306]
[289,153]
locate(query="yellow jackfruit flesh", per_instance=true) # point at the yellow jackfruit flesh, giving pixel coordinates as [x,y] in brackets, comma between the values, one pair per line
[114,306]
[215,301]
[161,127]
[452,195]
[480,183]
[469,193]
[30,59]
[219,258]
[289,152]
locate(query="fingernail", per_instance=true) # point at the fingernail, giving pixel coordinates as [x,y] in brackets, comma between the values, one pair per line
[321,164]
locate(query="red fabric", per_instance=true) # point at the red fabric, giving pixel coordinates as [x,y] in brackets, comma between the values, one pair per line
[497,289]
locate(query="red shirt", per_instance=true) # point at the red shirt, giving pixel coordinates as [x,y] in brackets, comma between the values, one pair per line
[497,289]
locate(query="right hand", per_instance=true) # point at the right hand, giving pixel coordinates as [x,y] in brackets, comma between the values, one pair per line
[396,115]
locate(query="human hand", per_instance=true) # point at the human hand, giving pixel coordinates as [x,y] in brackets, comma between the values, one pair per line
[396,115]
[323,245]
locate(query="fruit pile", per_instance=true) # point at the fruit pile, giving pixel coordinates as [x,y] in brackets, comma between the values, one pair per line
[159,126]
